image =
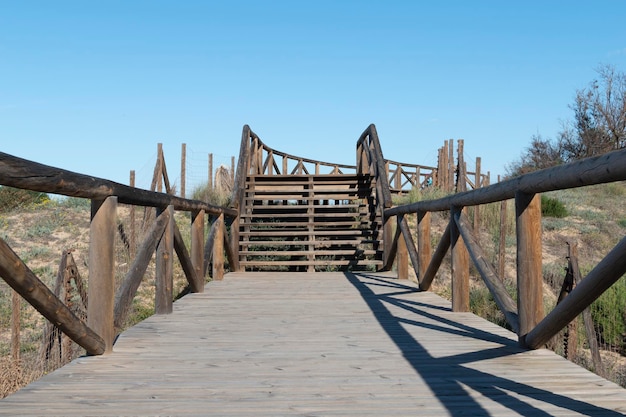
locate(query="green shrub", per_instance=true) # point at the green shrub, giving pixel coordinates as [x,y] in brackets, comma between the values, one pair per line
[13,198]
[552,207]
[211,196]
[622,222]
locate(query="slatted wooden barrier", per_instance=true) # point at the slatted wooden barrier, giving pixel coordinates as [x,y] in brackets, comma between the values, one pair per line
[106,310]
[526,316]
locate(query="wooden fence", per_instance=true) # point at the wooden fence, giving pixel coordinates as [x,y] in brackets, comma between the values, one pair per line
[106,310]
[526,315]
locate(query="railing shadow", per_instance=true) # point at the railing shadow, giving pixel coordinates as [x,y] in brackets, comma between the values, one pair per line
[448,377]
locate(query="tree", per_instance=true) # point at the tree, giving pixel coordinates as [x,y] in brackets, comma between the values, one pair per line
[541,153]
[599,126]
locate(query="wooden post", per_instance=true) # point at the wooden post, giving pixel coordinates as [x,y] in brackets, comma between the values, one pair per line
[388,237]
[232,169]
[210,182]
[218,249]
[159,174]
[424,250]
[450,165]
[502,245]
[529,274]
[133,214]
[461,180]
[164,281]
[460,266]
[402,255]
[183,169]
[197,247]
[15,325]
[477,185]
[102,269]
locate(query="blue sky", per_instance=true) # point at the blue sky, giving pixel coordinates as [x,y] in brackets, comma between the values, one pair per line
[94,86]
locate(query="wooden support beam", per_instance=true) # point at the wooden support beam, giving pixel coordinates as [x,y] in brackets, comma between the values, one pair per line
[390,244]
[409,245]
[435,262]
[218,249]
[164,280]
[495,285]
[101,289]
[25,282]
[529,271]
[196,283]
[460,266]
[605,274]
[137,270]
[402,255]
[424,249]
[197,249]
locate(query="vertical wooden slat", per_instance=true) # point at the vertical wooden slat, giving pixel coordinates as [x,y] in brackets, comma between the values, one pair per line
[197,247]
[424,250]
[101,290]
[311,222]
[460,266]
[218,249]
[164,282]
[529,275]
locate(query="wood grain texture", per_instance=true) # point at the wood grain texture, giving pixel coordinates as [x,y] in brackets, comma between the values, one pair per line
[323,344]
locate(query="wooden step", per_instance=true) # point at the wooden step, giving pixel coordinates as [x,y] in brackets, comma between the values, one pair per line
[316,262]
[317,243]
[298,219]
[337,252]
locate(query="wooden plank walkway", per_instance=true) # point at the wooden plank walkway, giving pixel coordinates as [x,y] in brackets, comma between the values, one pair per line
[323,344]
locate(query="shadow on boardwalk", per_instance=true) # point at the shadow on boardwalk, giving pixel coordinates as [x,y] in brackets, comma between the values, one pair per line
[452,379]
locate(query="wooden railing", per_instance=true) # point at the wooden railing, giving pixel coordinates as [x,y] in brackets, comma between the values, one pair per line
[526,315]
[106,310]
[370,161]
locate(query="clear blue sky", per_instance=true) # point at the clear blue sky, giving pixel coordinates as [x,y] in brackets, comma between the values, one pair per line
[94,86]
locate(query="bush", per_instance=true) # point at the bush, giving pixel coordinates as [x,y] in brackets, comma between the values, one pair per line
[13,198]
[552,207]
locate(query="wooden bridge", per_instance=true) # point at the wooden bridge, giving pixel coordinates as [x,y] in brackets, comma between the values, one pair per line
[358,341]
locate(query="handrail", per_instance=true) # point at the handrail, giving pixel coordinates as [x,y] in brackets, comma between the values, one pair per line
[28,175]
[597,170]
[103,317]
[369,147]
[243,167]
[370,161]
[526,317]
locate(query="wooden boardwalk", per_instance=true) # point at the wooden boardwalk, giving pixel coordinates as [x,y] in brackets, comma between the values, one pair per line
[323,344]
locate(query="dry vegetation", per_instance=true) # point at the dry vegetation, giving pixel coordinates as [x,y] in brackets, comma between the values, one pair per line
[40,231]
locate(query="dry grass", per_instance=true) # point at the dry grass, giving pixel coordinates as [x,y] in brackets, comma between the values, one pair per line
[39,235]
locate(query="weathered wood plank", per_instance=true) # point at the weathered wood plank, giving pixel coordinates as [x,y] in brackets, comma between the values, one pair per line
[333,344]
